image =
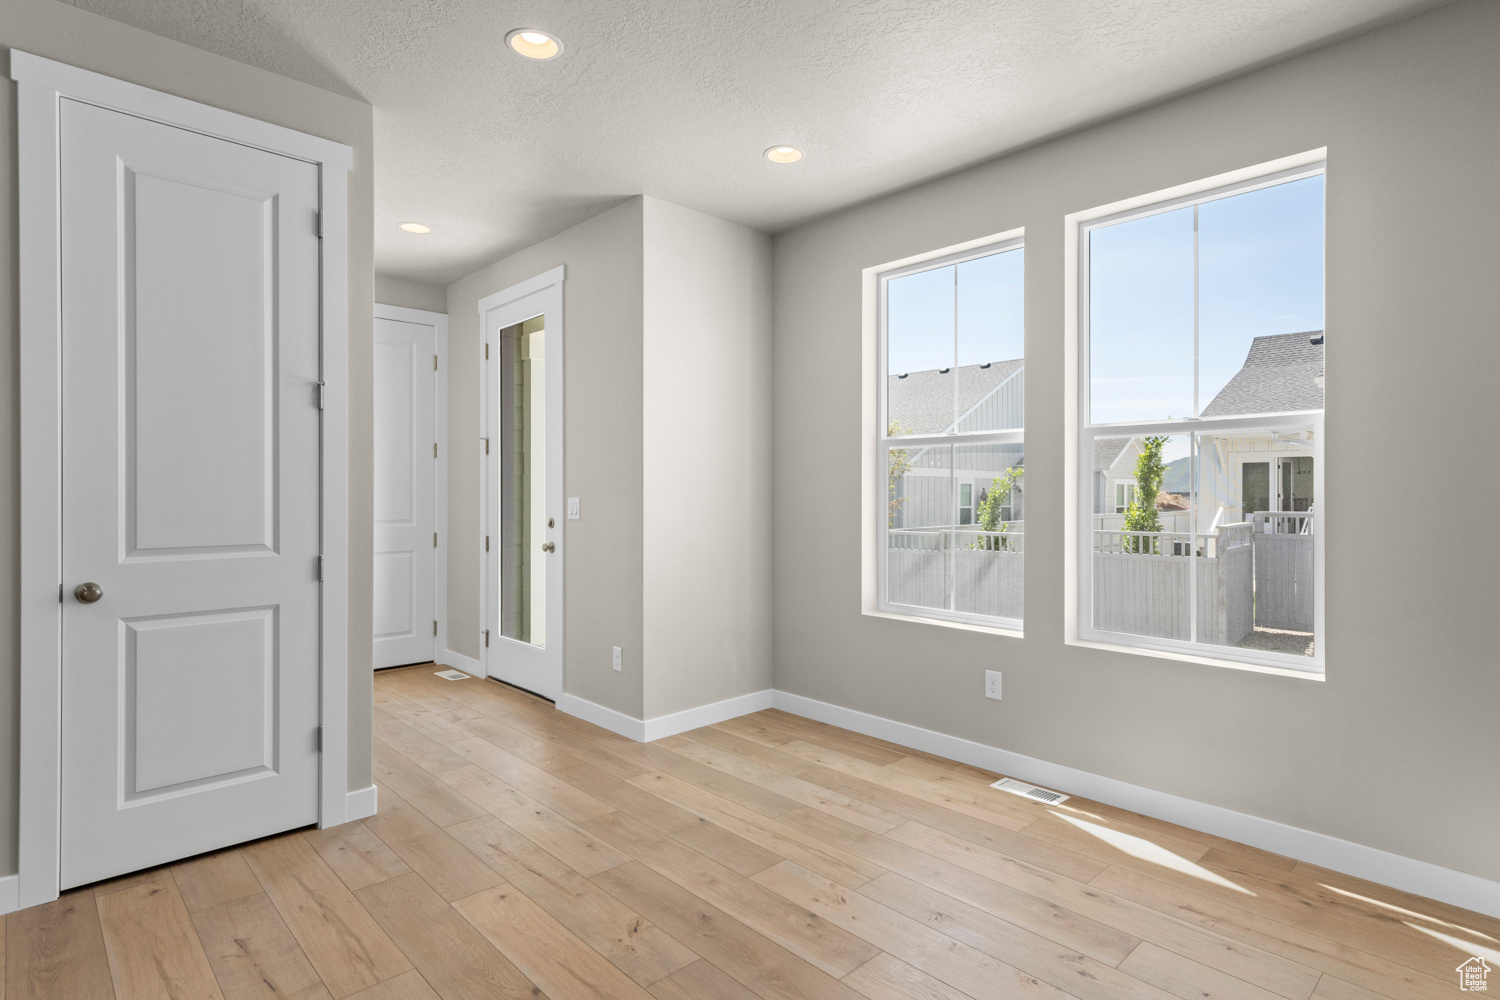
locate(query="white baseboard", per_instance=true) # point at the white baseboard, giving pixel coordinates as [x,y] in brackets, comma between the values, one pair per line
[1472,892]
[467,664]
[706,715]
[360,803]
[10,894]
[605,718]
[644,731]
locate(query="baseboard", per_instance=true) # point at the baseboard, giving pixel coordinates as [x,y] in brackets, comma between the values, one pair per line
[644,731]
[1472,892]
[10,894]
[605,718]
[360,803]
[706,715]
[467,664]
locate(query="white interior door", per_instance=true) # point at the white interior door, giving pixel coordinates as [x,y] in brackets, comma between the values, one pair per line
[190,457]
[522,586]
[405,463]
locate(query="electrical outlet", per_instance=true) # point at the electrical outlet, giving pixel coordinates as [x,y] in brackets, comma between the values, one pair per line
[992,684]
[619,655]
[573,511]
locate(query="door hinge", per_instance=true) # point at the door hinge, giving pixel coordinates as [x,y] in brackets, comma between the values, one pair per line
[320,569]
[318,218]
[322,394]
[434,362]
[486,445]
[486,543]
[434,539]
[486,638]
[318,736]
[486,352]
[434,449]
[434,626]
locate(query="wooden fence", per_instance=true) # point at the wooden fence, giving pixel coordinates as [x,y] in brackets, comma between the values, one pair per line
[1283,570]
[958,569]
[1142,582]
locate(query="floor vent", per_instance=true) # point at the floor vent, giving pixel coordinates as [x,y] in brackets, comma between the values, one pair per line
[450,675]
[1029,791]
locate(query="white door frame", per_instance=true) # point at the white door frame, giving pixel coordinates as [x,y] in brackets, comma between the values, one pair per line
[556,340]
[439,324]
[42,85]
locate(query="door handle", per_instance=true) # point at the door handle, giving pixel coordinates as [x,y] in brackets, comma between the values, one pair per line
[546,547]
[88,593]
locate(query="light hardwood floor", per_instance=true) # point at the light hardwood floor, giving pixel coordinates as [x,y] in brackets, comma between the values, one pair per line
[522,853]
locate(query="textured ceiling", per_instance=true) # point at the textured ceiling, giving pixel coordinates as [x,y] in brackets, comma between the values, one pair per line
[678,99]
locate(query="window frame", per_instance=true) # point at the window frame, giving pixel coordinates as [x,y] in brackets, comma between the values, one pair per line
[882,276]
[1080,628]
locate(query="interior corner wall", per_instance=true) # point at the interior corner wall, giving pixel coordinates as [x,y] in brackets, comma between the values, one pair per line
[1397,748]
[393,291]
[707,460]
[602,445]
[64,33]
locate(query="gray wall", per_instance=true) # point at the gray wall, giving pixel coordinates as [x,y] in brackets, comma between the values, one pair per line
[602,426]
[393,291]
[1398,748]
[61,32]
[707,438]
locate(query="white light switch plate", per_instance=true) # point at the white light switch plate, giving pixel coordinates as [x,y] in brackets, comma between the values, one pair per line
[992,684]
[573,505]
[619,655]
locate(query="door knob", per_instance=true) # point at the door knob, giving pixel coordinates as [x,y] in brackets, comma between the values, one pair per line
[546,547]
[88,593]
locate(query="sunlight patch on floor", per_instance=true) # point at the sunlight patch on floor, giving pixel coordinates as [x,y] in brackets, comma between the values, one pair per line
[1139,847]
[1467,947]
[1397,909]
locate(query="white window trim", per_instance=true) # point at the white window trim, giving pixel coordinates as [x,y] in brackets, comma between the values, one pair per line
[1078,611]
[875,518]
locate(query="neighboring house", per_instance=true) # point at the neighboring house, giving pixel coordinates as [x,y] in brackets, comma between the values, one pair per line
[965,398]
[1241,473]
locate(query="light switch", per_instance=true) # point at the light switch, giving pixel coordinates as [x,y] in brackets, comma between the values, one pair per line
[573,511]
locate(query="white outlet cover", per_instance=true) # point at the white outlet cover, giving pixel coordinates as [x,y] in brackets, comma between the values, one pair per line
[618,657]
[992,684]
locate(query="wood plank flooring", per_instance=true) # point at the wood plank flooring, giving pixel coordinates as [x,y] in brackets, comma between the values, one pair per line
[522,854]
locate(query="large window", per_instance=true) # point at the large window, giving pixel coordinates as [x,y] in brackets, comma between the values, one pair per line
[952,377]
[1201,422]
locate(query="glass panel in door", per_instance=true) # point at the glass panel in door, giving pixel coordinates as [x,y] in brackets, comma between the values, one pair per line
[523,482]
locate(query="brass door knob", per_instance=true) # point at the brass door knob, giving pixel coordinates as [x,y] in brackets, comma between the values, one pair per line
[548,547]
[88,593]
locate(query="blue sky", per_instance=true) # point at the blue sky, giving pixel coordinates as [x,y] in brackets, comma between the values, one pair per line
[1260,258]
[966,314]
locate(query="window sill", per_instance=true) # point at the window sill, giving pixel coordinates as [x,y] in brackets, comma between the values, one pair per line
[1009,633]
[1316,674]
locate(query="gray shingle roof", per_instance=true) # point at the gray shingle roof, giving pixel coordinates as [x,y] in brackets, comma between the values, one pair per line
[922,402]
[1106,450]
[1282,372]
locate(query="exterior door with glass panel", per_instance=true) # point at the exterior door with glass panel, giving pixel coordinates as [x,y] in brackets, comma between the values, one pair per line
[405,462]
[522,589]
[190,475]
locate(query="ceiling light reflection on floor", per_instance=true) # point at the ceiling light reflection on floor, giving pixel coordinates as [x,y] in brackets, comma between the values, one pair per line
[1139,847]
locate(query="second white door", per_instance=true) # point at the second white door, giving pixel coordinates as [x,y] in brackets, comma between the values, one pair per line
[406,458]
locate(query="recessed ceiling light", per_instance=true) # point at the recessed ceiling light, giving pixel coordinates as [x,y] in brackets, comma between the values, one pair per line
[415,227]
[783,154]
[533,44]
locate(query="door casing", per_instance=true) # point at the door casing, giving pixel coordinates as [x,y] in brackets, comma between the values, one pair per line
[42,86]
[496,312]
